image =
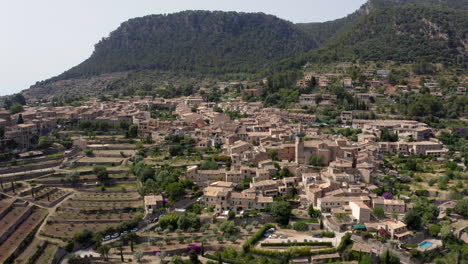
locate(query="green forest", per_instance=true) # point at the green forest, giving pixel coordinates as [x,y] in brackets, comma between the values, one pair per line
[406,33]
[196,41]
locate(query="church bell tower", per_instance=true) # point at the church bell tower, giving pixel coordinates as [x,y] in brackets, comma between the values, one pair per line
[300,157]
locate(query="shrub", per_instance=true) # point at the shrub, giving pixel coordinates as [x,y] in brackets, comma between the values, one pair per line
[45,142]
[293,252]
[256,237]
[300,226]
[462,207]
[328,234]
[101,173]
[345,240]
[169,221]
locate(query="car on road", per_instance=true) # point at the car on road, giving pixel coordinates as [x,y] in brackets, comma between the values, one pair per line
[317,235]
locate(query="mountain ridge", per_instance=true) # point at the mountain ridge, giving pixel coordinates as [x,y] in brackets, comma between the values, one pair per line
[408,32]
[195,41]
[219,43]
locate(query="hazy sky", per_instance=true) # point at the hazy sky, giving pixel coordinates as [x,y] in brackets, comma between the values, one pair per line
[43,38]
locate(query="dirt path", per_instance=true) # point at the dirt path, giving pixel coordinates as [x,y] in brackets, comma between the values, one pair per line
[51,211]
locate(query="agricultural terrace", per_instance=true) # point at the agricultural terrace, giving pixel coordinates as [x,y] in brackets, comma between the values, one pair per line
[39,251]
[20,234]
[47,196]
[223,234]
[94,211]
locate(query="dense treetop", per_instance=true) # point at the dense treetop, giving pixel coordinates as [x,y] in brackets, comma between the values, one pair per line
[409,33]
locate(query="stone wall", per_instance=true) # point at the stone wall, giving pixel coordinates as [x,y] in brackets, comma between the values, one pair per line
[34,167]
[13,227]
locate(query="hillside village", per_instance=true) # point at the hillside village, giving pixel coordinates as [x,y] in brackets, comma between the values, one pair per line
[149,178]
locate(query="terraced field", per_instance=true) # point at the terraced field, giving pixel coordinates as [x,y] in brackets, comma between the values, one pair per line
[47,196]
[65,231]
[39,251]
[110,196]
[89,161]
[73,217]
[20,233]
[114,153]
[95,211]
[29,252]
[11,217]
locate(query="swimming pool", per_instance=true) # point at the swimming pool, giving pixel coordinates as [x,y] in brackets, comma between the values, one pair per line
[425,244]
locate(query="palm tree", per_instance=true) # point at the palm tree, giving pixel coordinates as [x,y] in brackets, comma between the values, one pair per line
[119,246]
[133,238]
[104,251]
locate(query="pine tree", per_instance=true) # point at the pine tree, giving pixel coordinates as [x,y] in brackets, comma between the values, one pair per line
[20,119]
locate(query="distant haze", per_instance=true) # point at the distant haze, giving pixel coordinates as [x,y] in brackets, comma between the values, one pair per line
[41,39]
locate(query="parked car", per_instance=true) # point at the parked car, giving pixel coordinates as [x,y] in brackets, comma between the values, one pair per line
[134,230]
[317,235]
[124,233]
[116,235]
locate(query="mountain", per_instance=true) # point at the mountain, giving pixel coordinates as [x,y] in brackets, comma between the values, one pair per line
[405,33]
[395,30]
[325,31]
[372,4]
[195,41]
[203,43]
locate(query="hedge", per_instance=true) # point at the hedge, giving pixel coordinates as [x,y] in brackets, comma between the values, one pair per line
[294,244]
[345,240]
[256,237]
[293,252]
[328,234]
[224,260]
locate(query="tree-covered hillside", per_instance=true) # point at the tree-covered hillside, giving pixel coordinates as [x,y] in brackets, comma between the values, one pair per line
[219,44]
[326,31]
[407,33]
[196,41]
[372,4]
[323,32]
